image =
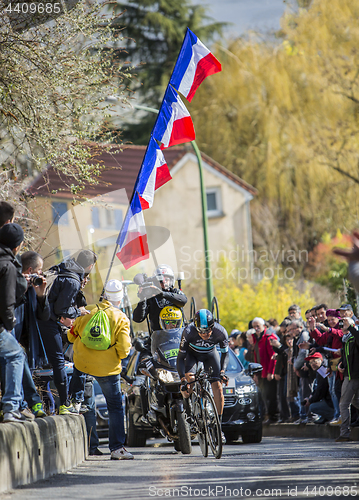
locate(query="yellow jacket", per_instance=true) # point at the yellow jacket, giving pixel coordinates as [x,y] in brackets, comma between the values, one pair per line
[102,363]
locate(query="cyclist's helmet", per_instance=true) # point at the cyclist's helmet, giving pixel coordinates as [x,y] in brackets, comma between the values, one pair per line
[170,318]
[203,321]
[165,275]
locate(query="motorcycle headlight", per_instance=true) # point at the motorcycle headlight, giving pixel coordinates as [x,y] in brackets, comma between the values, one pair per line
[244,390]
[168,377]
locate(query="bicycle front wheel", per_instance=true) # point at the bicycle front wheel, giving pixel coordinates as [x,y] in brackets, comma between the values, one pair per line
[201,428]
[213,427]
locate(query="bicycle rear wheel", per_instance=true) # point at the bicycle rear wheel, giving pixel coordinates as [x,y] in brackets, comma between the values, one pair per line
[213,427]
[198,417]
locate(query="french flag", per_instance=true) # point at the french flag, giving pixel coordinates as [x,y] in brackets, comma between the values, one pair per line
[174,123]
[132,240]
[154,173]
[194,63]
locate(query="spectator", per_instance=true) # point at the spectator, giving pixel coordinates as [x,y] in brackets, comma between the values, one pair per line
[63,311]
[105,366]
[297,331]
[232,341]
[280,375]
[320,402]
[294,312]
[346,311]
[242,346]
[7,213]
[11,353]
[34,305]
[349,367]
[321,316]
[263,354]
[330,336]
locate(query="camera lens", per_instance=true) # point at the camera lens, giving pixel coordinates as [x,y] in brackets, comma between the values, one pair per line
[37,281]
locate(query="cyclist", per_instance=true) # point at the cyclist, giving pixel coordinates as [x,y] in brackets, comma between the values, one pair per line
[198,343]
[153,299]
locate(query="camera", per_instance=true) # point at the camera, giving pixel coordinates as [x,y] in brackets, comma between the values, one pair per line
[304,402]
[147,283]
[36,280]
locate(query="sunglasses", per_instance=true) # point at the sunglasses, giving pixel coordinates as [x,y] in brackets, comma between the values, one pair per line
[170,322]
[204,331]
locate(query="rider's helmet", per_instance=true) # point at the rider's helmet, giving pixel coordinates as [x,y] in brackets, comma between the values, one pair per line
[114,291]
[165,276]
[203,321]
[170,318]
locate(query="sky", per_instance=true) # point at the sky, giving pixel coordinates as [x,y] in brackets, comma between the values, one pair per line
[261,15]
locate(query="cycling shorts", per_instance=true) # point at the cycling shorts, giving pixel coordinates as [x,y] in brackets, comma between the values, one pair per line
[209,359]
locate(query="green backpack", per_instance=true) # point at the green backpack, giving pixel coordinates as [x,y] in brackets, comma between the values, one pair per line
[97,332]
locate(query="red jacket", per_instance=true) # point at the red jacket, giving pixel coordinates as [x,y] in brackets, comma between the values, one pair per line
[324,338]
[266,352]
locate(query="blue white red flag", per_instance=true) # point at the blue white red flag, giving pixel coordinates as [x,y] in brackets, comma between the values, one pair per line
[154,173]
[174,123]
[132,239]
[194,63]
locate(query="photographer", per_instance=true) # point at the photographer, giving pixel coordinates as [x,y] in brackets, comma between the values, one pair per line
[63,311]
[320,401]
[34,305]
[154,298]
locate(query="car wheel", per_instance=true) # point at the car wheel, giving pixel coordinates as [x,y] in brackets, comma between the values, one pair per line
[135,437]
[231,435]
[252,437]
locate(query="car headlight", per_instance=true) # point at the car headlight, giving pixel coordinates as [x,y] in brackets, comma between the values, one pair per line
[243,390]
[168,377]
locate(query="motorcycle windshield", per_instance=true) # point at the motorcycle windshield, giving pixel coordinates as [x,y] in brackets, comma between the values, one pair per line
[165,346]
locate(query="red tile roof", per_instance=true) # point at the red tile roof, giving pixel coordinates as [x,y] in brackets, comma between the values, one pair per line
[120,172]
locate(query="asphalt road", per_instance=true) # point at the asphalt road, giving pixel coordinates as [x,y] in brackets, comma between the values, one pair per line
[276,468]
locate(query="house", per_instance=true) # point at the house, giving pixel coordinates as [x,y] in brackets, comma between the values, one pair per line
[174,223]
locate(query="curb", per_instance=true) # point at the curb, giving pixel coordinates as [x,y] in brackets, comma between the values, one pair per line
[31,451]
[307,431]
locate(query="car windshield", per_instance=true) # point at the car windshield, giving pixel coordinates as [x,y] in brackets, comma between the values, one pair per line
[234,365]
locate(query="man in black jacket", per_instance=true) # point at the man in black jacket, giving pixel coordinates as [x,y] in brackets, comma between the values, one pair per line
[153,299]
[63,311]
[11,353]
[34,305]
[320,401]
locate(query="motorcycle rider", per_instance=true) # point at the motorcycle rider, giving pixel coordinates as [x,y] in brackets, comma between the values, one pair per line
[153,299]
[170,318]
[198,343]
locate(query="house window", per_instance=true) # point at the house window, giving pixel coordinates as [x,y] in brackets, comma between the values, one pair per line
[214,202]
[60,213]
[107,218]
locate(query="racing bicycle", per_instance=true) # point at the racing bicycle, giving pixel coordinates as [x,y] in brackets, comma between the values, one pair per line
[205,415]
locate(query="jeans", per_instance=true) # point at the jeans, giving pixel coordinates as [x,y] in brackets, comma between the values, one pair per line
[77,385]
[30,394]
[331,380]
[12,359]
[52,339]
[111,388]
[90,416]
[323,409]
[349,389]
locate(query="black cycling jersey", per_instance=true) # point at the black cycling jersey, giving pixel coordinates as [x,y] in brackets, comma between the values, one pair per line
[195,347]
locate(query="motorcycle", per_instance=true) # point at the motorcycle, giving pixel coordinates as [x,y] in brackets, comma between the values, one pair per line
[162,402]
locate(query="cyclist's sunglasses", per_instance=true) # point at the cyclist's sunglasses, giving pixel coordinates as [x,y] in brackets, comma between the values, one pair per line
[204,330]
[170,322]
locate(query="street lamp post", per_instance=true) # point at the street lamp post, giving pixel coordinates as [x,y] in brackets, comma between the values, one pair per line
[207,263]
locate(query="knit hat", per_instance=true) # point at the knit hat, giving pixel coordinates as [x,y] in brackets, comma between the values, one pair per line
[11,235]
[114,290]
[333,312]
[316,355]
